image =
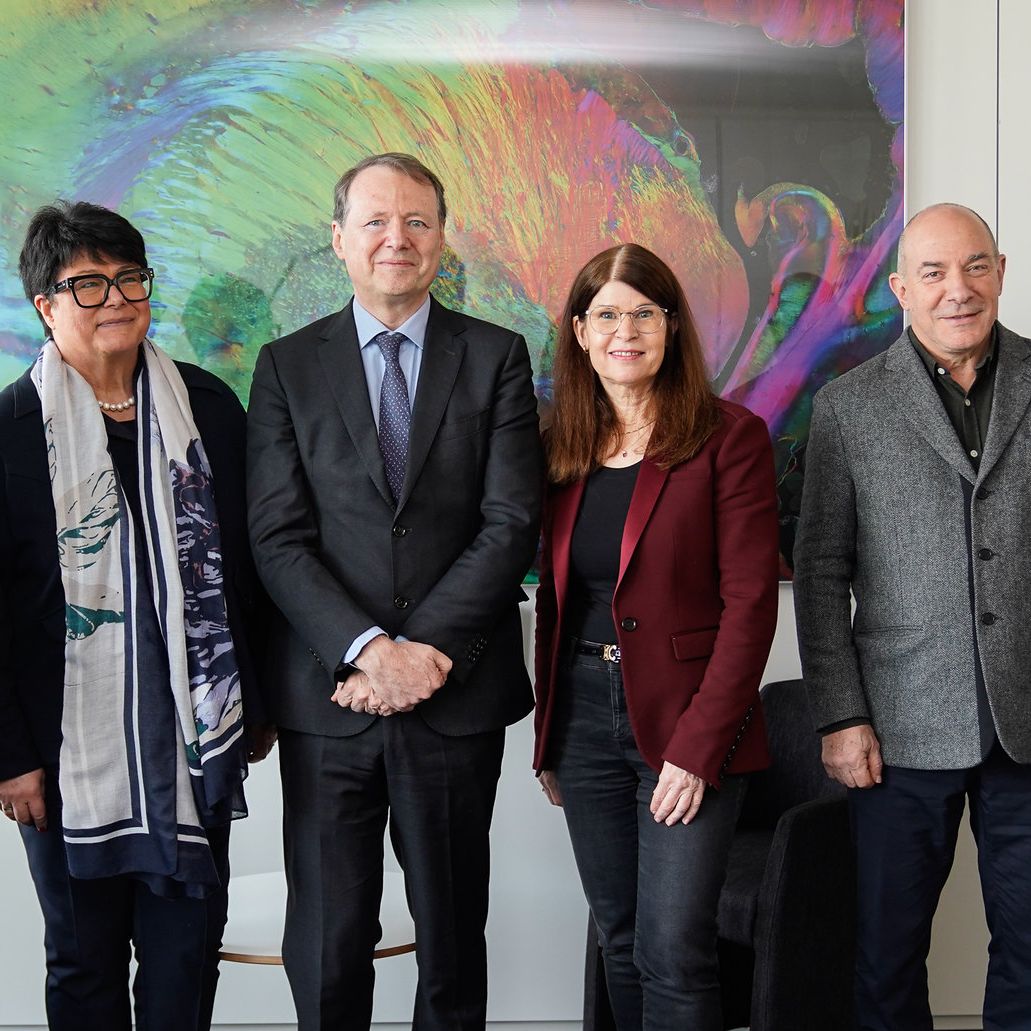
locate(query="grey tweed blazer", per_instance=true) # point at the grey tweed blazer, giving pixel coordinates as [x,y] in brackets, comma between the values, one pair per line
[888,491]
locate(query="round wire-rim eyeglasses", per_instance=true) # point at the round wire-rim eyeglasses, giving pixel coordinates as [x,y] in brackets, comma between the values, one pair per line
[648,318]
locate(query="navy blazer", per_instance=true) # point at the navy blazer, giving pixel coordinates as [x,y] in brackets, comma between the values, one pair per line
[32,603]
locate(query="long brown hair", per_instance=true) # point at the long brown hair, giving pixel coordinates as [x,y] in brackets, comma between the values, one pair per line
[584,423]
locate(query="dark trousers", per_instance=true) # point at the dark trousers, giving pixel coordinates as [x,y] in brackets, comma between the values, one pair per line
[905,831]
[338,794]
[90,926]
[653,890]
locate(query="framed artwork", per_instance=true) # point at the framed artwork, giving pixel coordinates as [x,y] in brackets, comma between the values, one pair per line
[755,145]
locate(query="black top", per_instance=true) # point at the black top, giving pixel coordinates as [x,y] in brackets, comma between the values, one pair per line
[594,552]
[122,446]
[121,443]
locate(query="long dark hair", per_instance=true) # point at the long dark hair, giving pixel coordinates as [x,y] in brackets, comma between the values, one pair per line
[584,423]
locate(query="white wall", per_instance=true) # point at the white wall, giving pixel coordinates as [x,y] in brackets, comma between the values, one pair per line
[538,915]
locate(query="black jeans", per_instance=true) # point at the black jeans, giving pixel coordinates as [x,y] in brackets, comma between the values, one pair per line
[653,890]
[905,830]
[90,926]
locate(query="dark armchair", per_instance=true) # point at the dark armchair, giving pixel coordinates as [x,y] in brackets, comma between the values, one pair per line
[787,911]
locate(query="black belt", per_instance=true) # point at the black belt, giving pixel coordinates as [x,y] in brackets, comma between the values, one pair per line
[607,652]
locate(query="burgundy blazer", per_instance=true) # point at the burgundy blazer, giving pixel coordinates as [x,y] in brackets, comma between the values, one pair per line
[695,605]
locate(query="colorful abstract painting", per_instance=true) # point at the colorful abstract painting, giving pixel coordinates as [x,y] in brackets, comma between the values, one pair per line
[756,145]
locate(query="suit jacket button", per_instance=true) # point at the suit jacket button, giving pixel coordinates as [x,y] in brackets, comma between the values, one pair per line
[988,618]
[628,624]
[986,553]
[399,531]
[400,602]
[981,493]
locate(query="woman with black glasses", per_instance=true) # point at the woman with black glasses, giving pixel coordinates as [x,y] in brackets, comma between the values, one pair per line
[655,614]
[127,612]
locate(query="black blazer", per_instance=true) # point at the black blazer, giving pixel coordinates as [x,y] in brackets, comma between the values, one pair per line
[32,603]
[445,568]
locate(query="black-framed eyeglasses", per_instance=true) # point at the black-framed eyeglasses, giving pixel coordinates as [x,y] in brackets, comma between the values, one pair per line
[648,318]
[91,290]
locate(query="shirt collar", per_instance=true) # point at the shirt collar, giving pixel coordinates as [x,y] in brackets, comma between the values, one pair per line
[932,364]
[414,327]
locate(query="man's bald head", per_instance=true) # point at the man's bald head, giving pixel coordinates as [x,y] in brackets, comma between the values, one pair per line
[933,210]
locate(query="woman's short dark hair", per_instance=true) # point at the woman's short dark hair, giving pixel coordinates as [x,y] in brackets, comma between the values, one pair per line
[58,233]
[584,425]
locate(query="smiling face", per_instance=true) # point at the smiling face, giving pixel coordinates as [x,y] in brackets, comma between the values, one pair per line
[949,280]
[627,359]
[391,241]
[88,335]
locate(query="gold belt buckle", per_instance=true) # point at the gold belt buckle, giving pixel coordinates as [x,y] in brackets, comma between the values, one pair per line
[610,652]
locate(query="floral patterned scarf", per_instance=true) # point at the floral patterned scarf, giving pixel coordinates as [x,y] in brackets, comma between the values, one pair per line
[141,774]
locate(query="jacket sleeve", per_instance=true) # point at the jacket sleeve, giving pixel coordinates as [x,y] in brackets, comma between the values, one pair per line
[248,606]
[283,526]
[745,513]
[825,559]
[18,751]
[545,629]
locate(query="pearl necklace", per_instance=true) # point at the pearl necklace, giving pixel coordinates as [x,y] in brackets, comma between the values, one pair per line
[117,406]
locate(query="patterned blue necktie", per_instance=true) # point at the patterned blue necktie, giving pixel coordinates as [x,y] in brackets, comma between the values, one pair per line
[395,414]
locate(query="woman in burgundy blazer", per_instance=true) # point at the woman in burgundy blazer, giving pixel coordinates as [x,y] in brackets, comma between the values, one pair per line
[655,614]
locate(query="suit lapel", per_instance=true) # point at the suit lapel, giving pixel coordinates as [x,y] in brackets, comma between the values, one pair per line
[919,402]
[565,503]
[1011,398]
[650,481]
[342,364]
[442,355]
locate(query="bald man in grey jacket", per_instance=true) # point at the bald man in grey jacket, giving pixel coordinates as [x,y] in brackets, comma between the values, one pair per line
[917,503]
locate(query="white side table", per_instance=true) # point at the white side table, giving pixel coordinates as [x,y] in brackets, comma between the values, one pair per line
[257,904]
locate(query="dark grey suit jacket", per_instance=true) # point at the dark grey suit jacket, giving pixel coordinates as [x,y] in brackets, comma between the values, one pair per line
[445,567]
[888,491]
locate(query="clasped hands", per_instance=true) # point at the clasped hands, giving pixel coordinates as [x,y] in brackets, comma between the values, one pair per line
[392,677]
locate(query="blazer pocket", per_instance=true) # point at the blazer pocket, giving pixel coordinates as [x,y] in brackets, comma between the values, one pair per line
[694,644]
[896,628]
[464,425]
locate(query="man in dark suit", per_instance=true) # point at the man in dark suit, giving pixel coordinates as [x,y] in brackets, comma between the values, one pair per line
[917,493]
[394,488]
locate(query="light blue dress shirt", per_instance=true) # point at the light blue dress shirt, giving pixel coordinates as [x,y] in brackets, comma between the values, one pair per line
[410,358]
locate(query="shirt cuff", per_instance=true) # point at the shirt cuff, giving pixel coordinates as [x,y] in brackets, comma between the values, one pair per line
[832,728]
[359,643]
